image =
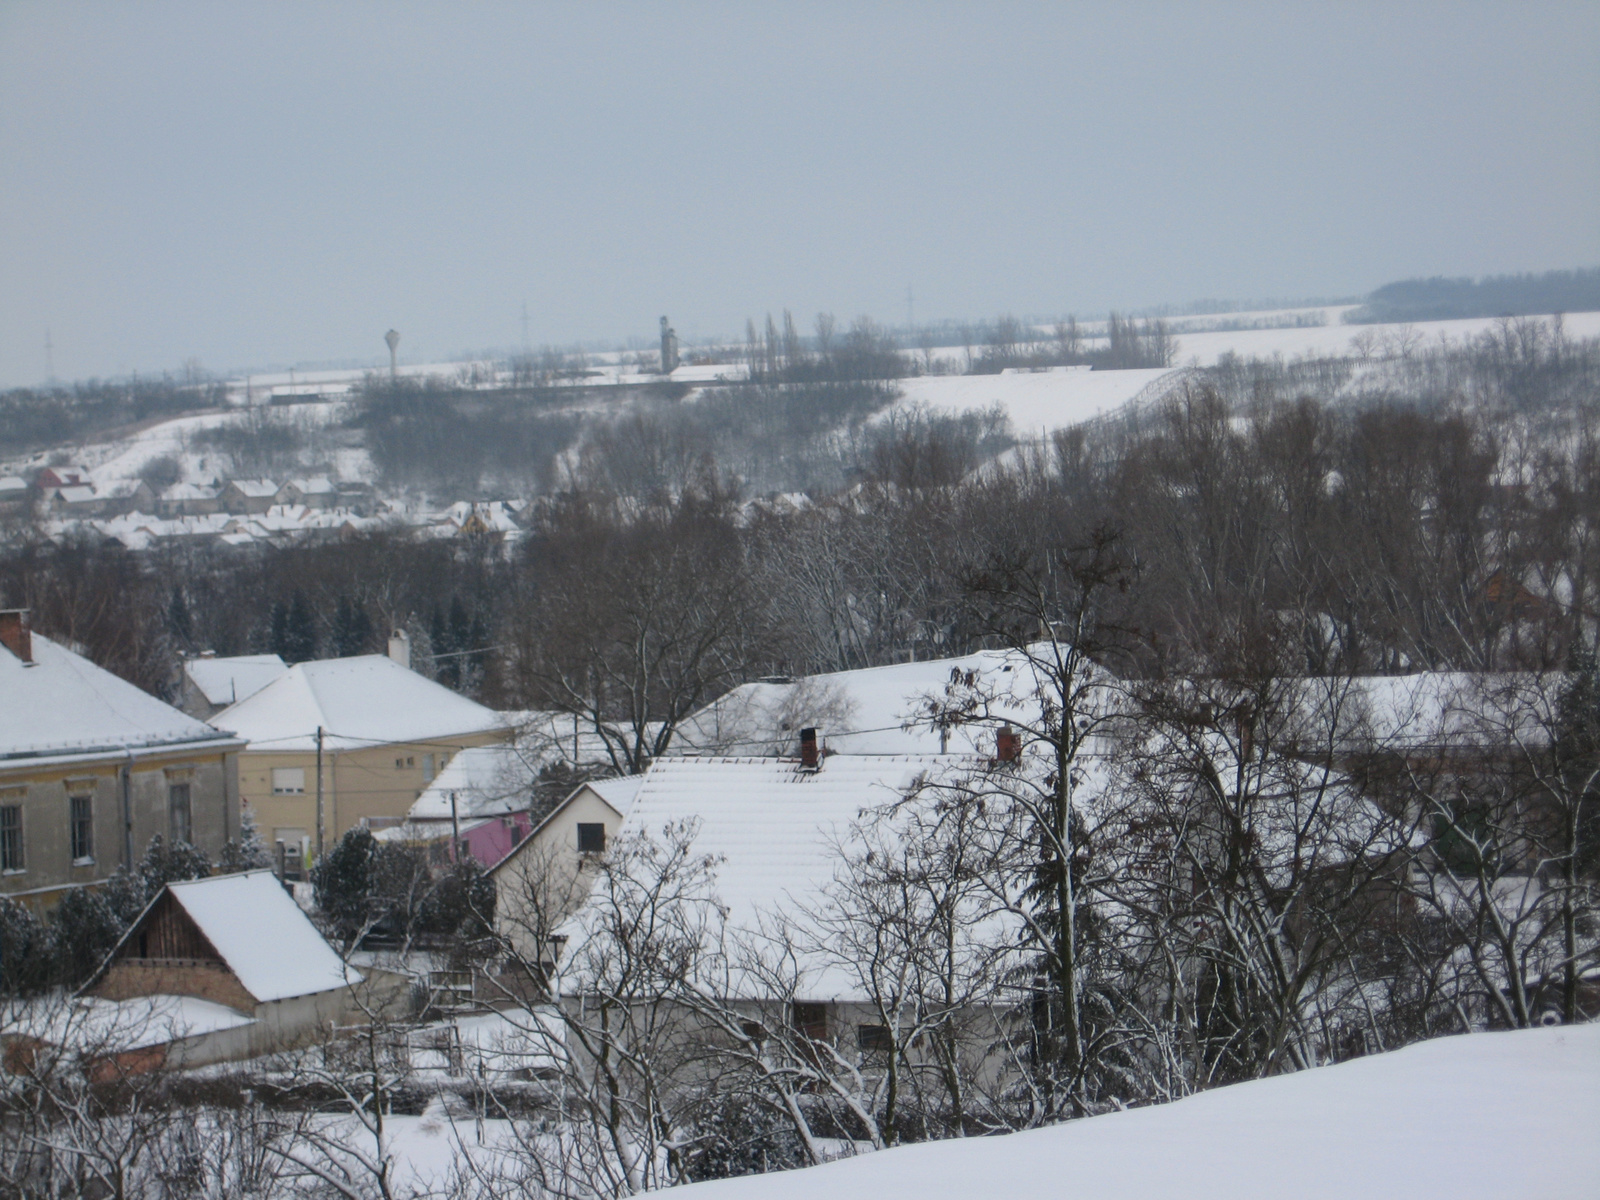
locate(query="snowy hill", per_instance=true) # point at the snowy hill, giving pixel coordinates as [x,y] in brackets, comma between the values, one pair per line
[1486,1115]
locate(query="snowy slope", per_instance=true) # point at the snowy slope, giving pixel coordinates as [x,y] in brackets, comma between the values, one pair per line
[1042,400]
[1495,1115]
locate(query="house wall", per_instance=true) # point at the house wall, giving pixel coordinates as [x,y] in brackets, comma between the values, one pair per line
[356,784]
[205,979]
[45,792]
[549,867]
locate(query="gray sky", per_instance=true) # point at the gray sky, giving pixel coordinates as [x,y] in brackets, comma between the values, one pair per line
[251,184]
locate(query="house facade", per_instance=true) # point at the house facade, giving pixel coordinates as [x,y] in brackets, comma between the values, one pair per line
[372,732]
[92,768]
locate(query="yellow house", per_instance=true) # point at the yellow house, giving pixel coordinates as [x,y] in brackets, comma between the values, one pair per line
[91,768]
[346,742]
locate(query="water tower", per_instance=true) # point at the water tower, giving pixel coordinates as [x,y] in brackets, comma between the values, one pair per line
[393,338]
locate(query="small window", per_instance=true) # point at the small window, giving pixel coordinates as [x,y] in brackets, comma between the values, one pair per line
[288,781]
[811,1020]
[11,837]
[178,809]
[411,761]
[591,838]
[82,829]
[399,764]
[873,1039]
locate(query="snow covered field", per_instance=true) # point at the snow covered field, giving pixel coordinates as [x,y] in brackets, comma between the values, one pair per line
[1038,400]
[1485,1115]
[1335,340]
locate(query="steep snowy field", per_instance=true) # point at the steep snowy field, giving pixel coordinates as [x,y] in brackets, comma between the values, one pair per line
[1498,1115]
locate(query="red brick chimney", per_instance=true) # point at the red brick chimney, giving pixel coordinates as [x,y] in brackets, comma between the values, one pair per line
[809,760]
[15,635]
[1007,745]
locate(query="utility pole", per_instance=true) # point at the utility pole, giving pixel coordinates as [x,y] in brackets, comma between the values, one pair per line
[49,357]
[319,793]
[455,831]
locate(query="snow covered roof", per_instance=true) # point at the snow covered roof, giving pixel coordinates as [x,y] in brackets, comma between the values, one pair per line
[63,705]
[863,712]
[620,793]
[190,491]
[1458,708]
[77,494]
[358,702]
[1472,1116]
[319,485]
[229,680]
[95,1025]
[777,830]
[13,483]
[256,488]
[487,781]
[255,926]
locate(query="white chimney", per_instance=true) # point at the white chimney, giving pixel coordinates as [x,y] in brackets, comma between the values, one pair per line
[400,648]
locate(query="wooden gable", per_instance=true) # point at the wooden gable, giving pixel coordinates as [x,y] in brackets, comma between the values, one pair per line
[165,953]
[165,931]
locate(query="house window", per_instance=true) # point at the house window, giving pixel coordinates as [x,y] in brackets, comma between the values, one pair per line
[288,781]
[811,1020]
[873,1039]
[82,829]
[178,810]
[591,838]
[11,837]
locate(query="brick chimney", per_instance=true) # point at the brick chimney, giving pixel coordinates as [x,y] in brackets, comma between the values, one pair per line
[15,635]
[809,759]
[400,648]
[1007,745]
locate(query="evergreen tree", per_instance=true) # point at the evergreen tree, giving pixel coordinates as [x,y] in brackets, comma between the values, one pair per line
[300,630]
[342,881]
[25,951]
[163,864]
[179,623]
[248,852]
[352,629]
[447,668]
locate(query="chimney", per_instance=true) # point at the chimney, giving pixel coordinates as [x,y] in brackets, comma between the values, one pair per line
[400,648]
[15,635]
[809,760]
[1007,745]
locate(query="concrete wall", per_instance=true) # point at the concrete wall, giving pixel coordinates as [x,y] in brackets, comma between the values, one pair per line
[356,783]
[45,791]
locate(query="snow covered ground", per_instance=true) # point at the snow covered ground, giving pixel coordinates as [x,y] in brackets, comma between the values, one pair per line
[1485,1115]
[1038,400]
[1336,340]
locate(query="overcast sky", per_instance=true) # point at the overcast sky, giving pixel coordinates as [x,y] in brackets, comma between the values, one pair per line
[281,183]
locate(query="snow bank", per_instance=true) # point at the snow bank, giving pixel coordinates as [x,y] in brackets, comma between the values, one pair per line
[1485,1115]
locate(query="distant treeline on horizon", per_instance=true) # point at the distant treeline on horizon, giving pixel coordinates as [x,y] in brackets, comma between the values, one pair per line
[1441,299]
